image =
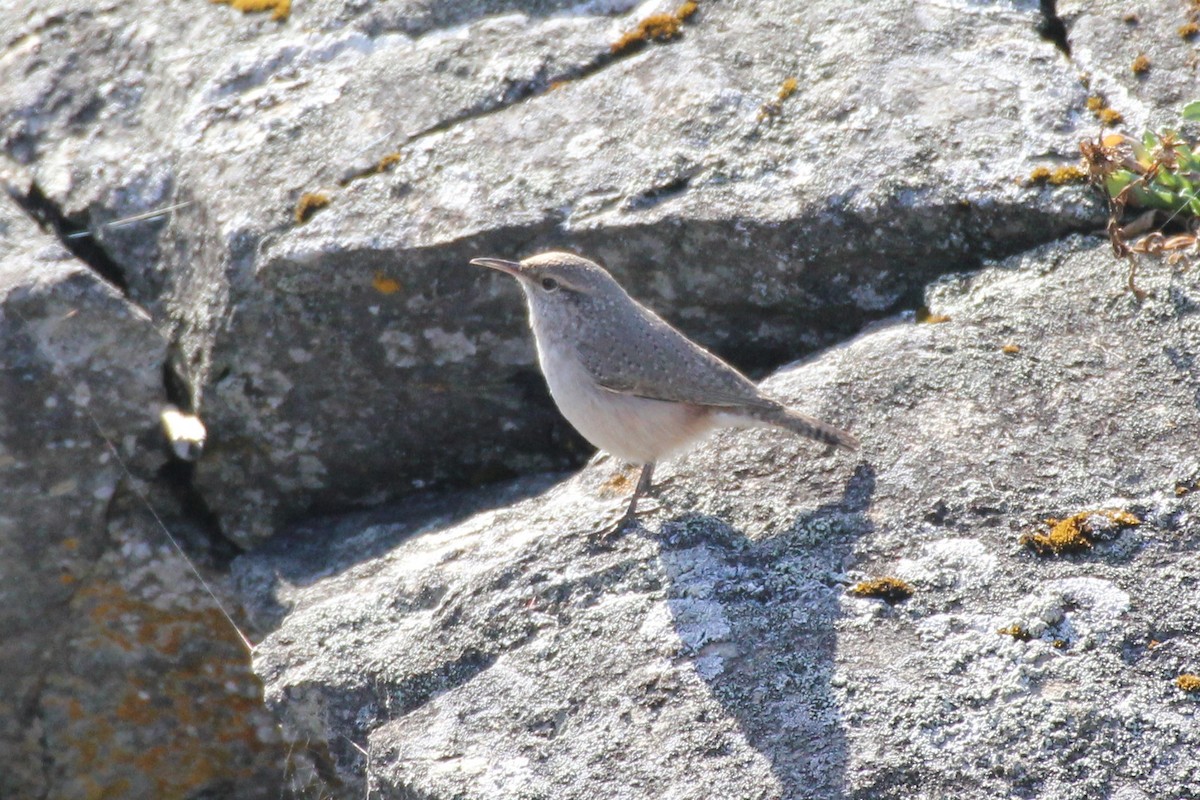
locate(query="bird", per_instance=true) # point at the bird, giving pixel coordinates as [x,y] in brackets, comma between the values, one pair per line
[629,382]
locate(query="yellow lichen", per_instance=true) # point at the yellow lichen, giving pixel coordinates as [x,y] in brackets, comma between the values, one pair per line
[1188,683]
[1017,632]
[1188,30]
[656,27]
[774,107]
[1097,105]
[620,482]
[927,317]
[1075,533]
[280,9]
[388,161]
[385,284]
[890,590]
[1011,348]
[384,164]
[309,204]
[1058,176]
[1141,64]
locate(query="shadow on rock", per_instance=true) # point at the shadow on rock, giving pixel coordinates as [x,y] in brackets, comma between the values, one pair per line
[326,546]
[758,619]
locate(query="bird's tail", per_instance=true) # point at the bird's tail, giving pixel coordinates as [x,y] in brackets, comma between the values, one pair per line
[803,425]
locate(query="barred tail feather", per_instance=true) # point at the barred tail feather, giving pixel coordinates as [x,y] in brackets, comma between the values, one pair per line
[809,427]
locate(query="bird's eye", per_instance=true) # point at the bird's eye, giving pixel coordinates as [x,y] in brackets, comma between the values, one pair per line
[549,284]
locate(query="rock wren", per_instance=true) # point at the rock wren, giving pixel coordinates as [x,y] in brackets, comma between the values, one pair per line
[628,381]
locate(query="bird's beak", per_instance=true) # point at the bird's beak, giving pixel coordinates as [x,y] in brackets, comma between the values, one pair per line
[511,267]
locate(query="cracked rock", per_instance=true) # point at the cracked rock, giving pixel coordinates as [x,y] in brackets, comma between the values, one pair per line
[714,651]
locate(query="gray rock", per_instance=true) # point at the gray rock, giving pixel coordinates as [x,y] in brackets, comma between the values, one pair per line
[117,666]
[77,362]
[355,358]
[715,651]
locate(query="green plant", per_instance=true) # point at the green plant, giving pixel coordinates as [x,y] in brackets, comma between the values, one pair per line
[1159,172]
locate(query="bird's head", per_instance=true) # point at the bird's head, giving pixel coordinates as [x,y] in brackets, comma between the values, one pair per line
[560,286]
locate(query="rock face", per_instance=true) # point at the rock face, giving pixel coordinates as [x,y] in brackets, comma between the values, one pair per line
[769,179]
[267,221]
[117,666]
[716,652]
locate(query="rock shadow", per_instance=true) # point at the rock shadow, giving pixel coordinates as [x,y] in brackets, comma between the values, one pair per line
[327,545]
[758,619]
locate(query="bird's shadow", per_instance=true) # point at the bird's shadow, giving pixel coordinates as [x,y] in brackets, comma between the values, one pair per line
[758,619]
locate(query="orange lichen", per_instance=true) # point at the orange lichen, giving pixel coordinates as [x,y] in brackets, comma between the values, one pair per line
[1141,64]
[1058,176]
[1016,632]
[927,317]
[185,713]
[621,482]
[388,161]
[1011,348]
[656,27]
[385,284]
[1188,683]
[384,164]
[280,9]
[309,204]
[1097,105]
[1077,532]
[773,108]
[1188,30]
[890,590]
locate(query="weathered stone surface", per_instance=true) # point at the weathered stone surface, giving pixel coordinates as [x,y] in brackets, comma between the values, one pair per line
[715,652]
[76,359]
[119,677]
[355,357]
[1106,39]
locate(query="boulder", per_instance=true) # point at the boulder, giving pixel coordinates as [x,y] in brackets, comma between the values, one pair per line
[717,650]
[118,664]
[768,177]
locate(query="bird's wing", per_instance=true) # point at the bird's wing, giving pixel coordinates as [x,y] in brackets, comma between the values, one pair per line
[653,360]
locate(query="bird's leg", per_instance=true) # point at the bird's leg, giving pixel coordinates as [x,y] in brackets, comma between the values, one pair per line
[603,537]
[643,486]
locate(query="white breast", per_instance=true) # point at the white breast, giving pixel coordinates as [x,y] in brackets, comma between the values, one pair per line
[633,429]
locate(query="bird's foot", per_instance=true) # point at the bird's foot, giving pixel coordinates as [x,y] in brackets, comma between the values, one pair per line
[604,537]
